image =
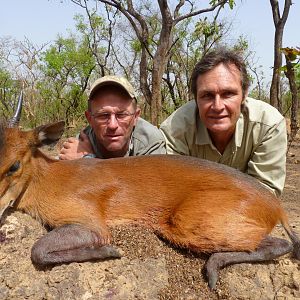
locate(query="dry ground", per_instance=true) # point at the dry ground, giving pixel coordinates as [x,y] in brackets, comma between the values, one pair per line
[149,269]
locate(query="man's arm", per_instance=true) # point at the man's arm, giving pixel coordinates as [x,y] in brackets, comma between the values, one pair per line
[268,162]
[179,129]
[175,145]
[147,139]
[158,147]
[173,134]
[75,148]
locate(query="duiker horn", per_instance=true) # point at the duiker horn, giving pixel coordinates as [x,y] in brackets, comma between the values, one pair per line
[14,121]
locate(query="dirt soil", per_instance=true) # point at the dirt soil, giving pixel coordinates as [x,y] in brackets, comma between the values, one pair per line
[149,268]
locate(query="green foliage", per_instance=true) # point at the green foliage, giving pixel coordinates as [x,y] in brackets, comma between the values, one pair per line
[71,62]
[136,45]
[6,81]
[83,26]
[67,66]
[241,45]
[9,91]
[293,55]
[297,74]
[206,28]
[231,3]
[60,74]
[193,39]
[95,32]
[67,59]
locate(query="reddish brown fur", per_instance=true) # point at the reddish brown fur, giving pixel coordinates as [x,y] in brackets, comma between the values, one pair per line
[190,202]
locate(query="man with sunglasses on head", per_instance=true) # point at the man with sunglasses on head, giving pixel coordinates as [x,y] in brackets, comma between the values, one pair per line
[115,127]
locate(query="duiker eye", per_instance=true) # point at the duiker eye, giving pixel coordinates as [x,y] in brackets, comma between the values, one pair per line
[13,168]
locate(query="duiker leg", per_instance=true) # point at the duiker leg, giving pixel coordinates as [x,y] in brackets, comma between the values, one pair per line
[269,249]
[70,243]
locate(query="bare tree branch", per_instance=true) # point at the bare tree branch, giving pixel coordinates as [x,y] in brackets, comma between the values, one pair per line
[200,11]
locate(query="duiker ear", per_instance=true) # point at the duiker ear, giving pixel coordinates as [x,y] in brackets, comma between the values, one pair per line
[50,133]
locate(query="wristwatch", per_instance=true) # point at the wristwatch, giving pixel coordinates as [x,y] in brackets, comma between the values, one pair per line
[89,155]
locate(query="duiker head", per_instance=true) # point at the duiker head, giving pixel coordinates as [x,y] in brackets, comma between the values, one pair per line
[18,150]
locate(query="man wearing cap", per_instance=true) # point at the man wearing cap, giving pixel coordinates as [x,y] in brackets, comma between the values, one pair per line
[115,126]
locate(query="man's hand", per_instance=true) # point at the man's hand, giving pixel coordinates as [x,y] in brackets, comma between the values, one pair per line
[75,148]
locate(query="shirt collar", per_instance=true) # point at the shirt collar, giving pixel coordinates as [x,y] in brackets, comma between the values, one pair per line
[239,131]
[130,147]
[202,137]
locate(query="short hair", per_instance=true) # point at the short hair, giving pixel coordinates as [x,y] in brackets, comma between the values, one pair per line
[110,87]
[218,56]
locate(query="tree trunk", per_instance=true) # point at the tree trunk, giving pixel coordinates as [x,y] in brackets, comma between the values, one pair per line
[290,74]
[144,77]
[275,99]
[279,23]
[160,60]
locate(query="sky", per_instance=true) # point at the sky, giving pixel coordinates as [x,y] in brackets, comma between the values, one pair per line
[42,20]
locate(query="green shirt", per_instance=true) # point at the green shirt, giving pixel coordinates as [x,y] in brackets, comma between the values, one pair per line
[258,147]
[145,139]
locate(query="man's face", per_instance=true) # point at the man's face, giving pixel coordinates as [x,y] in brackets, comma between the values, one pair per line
[219,98]
[112,116]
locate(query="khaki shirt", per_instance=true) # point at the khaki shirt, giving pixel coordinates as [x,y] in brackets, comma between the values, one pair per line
[145,139]
[258,147]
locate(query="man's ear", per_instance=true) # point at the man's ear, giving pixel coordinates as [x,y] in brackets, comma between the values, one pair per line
[245,96]
[137,115]
[243,101]
[88,116]
[137,112]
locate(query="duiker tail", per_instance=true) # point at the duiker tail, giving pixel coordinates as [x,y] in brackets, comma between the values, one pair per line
[292,235]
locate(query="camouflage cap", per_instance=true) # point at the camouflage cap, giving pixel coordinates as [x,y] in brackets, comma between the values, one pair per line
[113,80]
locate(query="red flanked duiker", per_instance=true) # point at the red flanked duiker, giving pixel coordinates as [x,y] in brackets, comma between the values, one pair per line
[192,203]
